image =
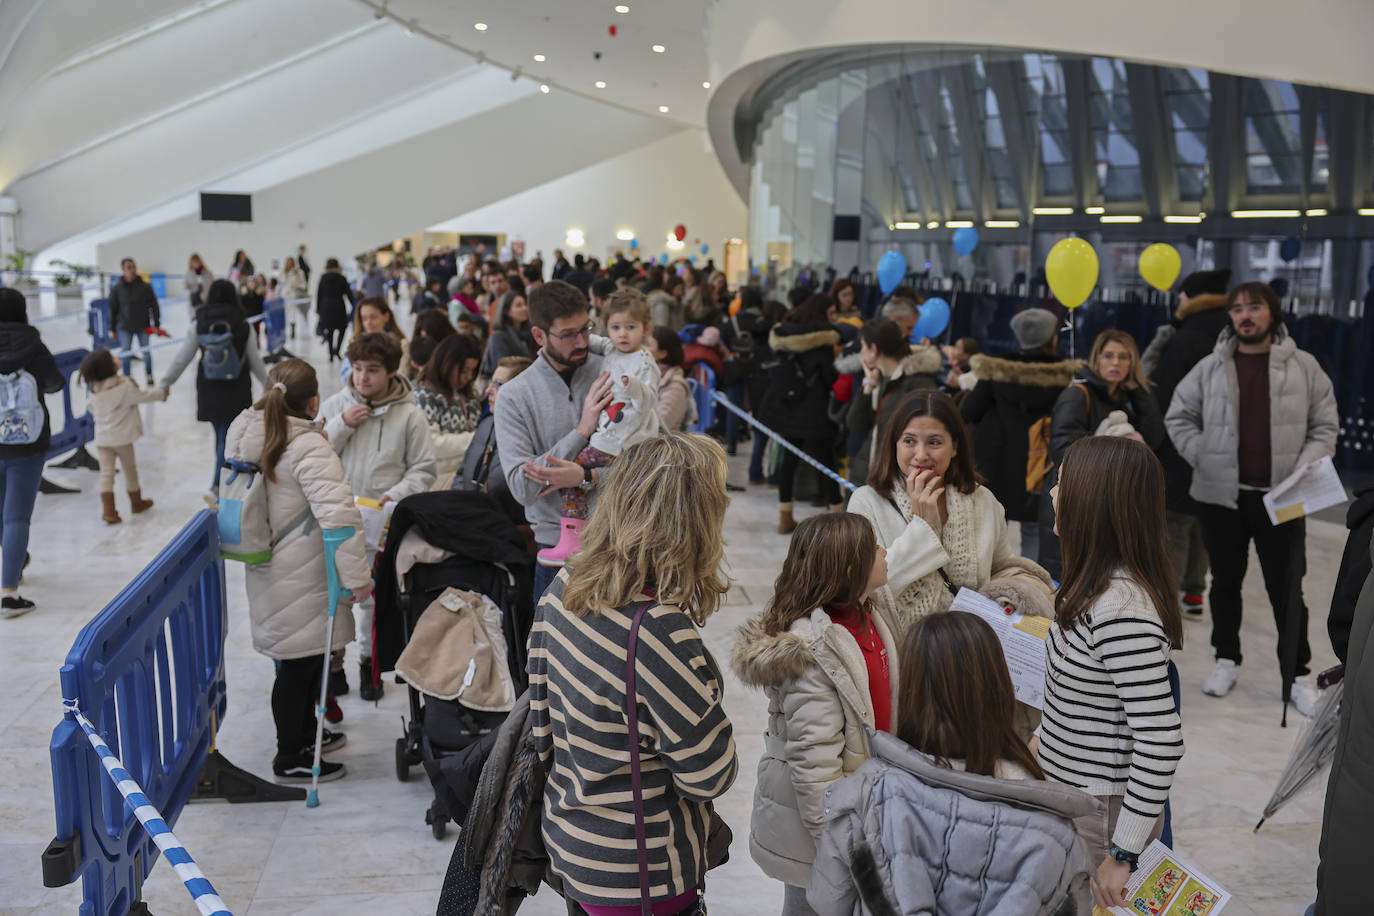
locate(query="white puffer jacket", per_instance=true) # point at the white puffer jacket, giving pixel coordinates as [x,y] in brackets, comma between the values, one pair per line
[288,597]
[114,406]
[1203,418]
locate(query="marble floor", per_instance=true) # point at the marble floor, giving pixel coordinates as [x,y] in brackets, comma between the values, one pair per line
[366,849]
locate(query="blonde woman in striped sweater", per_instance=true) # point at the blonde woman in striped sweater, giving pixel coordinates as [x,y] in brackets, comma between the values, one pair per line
[1110,726]
[652,546]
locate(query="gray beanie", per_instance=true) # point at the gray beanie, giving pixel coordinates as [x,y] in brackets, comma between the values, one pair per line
[1034,328]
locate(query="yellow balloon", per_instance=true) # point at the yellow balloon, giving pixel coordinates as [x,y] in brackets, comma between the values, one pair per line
[1159,265]
[1071,270]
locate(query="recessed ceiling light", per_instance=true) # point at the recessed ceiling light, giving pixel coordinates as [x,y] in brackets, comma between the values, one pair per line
[480,26]
[663,109]
[622,8]
[539,58]
[544,88]
[705,84]
[600,84]
[658,49]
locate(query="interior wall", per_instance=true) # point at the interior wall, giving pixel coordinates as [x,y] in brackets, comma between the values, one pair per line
[648,190]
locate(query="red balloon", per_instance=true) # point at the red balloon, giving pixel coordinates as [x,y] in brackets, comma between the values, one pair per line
[679,232]
[613,31]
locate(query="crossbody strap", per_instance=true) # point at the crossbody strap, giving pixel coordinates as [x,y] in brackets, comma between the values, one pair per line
[636,782]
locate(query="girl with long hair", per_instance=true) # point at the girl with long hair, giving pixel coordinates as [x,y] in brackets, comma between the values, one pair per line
[824,652]
[1110,726]
[651,552]
[288,598]
[513,334]
[197,281]
[447,394]
[374,315]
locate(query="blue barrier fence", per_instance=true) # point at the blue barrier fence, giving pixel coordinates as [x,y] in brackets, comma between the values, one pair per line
[76,431]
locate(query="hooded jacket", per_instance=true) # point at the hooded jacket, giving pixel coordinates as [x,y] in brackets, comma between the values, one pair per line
[869,413]
[114,406]
[1198,323]
[1012,394]
[288,597]
[907,836]
[389,453]
[1203,417]
[819,709]
[798,411]
[22,348]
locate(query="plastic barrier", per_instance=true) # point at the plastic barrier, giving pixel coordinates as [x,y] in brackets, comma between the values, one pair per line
[76,431]
[148,671]
[705,386]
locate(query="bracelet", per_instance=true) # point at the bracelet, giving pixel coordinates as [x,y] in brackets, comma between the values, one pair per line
[1118,854]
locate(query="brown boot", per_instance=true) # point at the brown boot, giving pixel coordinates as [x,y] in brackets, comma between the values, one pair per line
[137,503]
[108,513]
[786,524]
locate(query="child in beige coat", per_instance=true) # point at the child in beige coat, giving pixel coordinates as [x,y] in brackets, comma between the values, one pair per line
[113,403]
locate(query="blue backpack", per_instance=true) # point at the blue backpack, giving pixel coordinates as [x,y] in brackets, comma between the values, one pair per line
[218,356]
[21,409]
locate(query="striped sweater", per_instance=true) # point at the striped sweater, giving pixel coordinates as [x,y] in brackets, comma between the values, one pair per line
[1110,726]
[577,711]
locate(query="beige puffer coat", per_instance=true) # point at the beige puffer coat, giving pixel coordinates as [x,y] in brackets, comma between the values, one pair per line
[288,597]
[114,406]
[816,682]
[1203,419]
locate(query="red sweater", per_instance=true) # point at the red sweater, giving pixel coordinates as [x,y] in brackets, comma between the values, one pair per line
[860,626]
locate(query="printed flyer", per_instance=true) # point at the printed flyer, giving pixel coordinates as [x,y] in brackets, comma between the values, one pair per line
[1166,884]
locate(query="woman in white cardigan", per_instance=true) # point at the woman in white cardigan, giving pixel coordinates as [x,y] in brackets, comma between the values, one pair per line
[942,529]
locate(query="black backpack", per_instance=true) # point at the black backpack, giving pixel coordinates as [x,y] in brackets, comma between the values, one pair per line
[794,379]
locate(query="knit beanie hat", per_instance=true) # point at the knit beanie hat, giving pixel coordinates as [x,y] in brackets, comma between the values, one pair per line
[1034,328]
[1206,282]
[13,307]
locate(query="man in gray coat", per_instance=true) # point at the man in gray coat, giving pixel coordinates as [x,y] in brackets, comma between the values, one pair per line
[1245,418]
[133,310]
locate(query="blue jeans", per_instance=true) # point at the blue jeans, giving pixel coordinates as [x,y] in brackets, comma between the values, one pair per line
[19,478]
[221,437]
[543,576]
[126,340]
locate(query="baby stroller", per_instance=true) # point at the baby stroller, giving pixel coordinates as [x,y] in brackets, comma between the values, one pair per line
[456,569]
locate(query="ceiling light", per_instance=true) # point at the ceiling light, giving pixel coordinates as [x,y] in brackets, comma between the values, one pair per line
[539,58]
[705,84]
[1001,223]
[1052,211]
[574,238]
[959,224]
[600,84]
[1317,212]
[544,88]
[1121,218]
[625,235]
[1365,211]
[903,224]
[1183,219]
[933,224]
[622,8]
[674,243]
[658,49]
[1259,214]
[480,26]
[1094,211]
[663,109]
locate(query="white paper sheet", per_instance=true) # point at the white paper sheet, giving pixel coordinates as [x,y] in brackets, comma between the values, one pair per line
[376,520]
[1023,643]
[1309,489]
[1166,884]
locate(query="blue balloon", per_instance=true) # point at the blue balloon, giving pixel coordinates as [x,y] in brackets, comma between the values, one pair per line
[1290,248]
[694,259]
[663,259]
[965,240]
[891,271]
[934,319]
[634,243]
[704,248]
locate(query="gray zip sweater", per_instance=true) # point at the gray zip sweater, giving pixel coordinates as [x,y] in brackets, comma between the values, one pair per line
[536,415]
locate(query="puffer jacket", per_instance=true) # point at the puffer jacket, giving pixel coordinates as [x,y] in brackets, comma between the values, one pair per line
[819,706]
[1203,417]
[389,453]
[868,413]
[288,597]
[1013,392]
[114,407]
[1015,852]
[810,351]
[674,399]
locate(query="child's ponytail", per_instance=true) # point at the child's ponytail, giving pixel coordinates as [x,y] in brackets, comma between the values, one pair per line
[291,385]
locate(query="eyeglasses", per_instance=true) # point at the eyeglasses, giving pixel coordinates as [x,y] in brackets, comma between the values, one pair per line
[568,336]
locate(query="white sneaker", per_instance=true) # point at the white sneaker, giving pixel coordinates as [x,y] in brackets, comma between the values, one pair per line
[1224,675]
[1305,695]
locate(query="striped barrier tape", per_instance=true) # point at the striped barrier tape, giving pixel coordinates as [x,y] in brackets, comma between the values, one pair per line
[199,887]
[725,402]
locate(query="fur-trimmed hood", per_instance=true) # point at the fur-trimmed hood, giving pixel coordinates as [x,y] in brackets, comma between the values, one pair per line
[1196,305]
[925,359]
[798,339]
[763,659]
[1023,372]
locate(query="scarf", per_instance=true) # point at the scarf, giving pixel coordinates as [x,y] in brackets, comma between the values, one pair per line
[928,594]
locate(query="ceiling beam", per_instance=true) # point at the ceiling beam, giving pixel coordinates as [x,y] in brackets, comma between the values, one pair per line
[1005,78]
[1157,183]
[1085,190]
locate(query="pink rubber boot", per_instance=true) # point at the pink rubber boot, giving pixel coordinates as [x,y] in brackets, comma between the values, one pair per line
[568,543]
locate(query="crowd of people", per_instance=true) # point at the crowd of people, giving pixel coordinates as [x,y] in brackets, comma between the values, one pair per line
[890,720]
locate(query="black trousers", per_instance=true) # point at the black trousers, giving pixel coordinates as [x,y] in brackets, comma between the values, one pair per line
[1282,551]
[294,695]
[823,450]
[334,337]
